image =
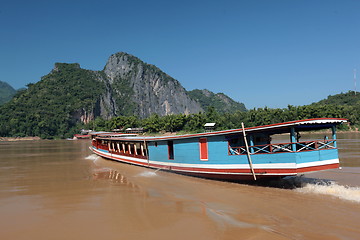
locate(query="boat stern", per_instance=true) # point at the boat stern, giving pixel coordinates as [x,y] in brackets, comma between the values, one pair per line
[314,161]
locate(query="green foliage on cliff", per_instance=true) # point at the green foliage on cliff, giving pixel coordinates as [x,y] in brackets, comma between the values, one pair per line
[45,109]
[123,99]
[219,101]
[6,92]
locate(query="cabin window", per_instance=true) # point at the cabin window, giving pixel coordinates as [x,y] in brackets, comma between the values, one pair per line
[261,139]
[171,150]
[203,145]
[132,149]
[236,145]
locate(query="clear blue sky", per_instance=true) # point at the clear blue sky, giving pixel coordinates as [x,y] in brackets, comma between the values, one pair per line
[259,52]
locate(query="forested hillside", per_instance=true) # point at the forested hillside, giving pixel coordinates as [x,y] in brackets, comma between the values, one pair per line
[49,108]
[219,101]
[350,99]
[6,92]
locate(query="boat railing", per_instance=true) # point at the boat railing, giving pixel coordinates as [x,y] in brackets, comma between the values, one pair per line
[140,154]
[284,147]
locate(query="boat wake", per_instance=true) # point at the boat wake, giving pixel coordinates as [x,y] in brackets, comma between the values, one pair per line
[316,186]
[147,174]
[92,157]
[333,189]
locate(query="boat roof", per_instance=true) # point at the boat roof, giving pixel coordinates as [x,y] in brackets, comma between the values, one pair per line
[112,134]
[277,128]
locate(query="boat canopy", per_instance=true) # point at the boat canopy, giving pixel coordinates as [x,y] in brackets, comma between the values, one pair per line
[278,128]
[300,125]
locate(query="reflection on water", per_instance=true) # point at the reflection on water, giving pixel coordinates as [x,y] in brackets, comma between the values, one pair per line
[59,190]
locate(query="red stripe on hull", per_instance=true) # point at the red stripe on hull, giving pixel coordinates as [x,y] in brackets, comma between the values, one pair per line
[236,170]
[232,177]
[318,168]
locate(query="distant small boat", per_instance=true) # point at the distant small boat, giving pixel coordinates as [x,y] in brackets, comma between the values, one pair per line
[85,134]
[236,154]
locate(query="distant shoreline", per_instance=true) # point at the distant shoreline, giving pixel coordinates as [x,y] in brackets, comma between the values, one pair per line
[14,139]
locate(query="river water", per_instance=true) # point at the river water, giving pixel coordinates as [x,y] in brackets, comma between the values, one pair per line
[59,190]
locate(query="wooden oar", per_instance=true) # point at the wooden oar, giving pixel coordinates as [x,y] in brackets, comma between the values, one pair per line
[248,152]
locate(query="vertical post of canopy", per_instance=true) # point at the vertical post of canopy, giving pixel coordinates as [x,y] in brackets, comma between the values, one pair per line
[293,139]
[247,151]
[333,128]
[147,153]
[251,140]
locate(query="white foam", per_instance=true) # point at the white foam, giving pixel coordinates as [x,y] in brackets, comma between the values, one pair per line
[92,157]
[332,189]
[147,174]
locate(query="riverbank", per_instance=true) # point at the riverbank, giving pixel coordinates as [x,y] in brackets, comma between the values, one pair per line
[12,139]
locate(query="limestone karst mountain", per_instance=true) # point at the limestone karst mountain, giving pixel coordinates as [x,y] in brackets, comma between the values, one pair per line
[126,86]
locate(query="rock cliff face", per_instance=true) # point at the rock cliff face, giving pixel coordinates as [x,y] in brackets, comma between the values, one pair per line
[133,87]
[143,89]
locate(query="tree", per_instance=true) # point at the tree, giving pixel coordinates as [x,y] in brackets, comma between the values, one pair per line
[173,123]
[152,123]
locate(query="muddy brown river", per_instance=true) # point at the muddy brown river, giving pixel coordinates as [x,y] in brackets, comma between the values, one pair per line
[59,190]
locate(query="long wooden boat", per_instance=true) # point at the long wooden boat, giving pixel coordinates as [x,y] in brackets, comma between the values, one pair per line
[85,134]
[236,154]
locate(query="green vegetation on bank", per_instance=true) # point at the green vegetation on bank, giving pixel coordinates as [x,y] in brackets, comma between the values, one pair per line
[57,123]
[344,105]
[255,117]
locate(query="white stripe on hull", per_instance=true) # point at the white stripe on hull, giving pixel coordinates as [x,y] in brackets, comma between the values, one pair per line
[317,163]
